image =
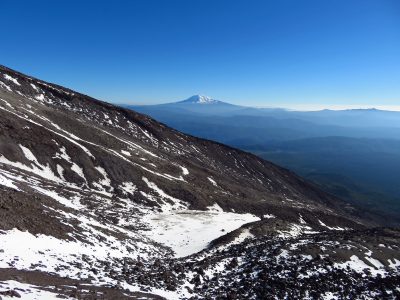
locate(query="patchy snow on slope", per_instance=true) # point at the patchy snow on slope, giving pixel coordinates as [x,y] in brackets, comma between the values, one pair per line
[54,255]
[244,235]
[8,182]
[36,167]
[35,87]
[126,153]
[212,181]
[268,216]
[106,180]
[63,155]
[301,220]
[69,136]
[330,228]
[329,296]
[98,242]
[72,202]
[170,204]
[40,97]
[359,266]
[188,231]
[295,230]
[60,171]
[283,255]
[185,171]
[12,79]
[28,154]
[27,291]
[78,170]
[2,84]
[128,188]
[376,263]
[394,263]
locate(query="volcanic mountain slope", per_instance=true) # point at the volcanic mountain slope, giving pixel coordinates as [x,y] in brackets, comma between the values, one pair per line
[100,201]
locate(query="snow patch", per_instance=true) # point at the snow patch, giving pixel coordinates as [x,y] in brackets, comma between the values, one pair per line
[73,202]
[244,235]
[215,207]
[12,79]
[79,171]
[126,153]
[212,181]
[8,182]
[189,231]
[39,97]
[176,203]
[185,171]
[36,167]
[63,155]
[376,263]
[128,188]
[2,84]
[359,266]
[28,291]
[106,180]
[268,216]
[35,87]
[330,228]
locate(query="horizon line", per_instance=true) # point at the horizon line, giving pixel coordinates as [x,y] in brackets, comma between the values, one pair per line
[296,107]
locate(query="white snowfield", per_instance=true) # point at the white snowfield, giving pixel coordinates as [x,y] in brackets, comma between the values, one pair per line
[190,231]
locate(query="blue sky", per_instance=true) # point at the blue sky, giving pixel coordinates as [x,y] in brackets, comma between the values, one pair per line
[298,54]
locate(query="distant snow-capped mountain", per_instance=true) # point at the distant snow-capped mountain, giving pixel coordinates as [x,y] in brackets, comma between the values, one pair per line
[200,99]
[194,104]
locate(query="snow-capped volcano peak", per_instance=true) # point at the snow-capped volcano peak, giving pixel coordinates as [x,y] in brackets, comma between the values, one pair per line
[200,99]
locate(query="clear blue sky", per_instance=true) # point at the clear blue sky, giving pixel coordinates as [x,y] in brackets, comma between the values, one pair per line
[267,53]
